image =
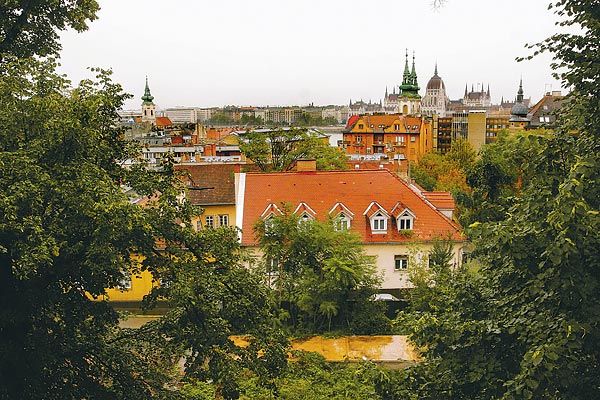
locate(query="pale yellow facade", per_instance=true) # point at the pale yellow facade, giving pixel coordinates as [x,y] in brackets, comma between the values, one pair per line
[220,215]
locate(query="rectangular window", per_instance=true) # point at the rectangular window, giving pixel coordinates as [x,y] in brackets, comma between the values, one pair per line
[209,221]
[379,224]
[224,220]
[368,150]
[400,263]
[199,225]
[358,139]
[413,139]
[361,126]
[396,127]
[405,223]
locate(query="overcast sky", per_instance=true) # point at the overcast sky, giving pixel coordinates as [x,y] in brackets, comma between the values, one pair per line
[276,52]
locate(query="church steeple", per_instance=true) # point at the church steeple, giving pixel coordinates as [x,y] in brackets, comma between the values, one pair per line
[147,97]
[406,75]
[435,73]
[148,108]
[520,92]
[413,74]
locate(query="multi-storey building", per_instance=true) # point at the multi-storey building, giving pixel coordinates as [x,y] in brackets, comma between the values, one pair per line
[391,136]
[544,112]
[396,221]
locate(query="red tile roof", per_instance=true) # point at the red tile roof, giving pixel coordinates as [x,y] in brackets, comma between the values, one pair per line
[356,189]
[441,200]
[163,121]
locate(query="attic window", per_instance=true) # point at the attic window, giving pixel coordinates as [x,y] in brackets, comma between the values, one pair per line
[379,222]
[305,218]
[341,222]
[405,221]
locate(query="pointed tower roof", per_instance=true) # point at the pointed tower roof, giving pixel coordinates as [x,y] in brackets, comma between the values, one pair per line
[413,74]
[519,110]
[147,97]
[406,75]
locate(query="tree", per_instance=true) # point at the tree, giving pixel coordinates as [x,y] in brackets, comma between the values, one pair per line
[279,149]
[321,276]
[527,326]
[68,232]
[29,28]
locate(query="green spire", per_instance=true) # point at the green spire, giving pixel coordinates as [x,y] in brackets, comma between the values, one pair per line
[147,97]
[413,75]
[406,76]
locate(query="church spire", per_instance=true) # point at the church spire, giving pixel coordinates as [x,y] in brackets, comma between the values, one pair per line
[147,97]
[520,92]
[413,73]
[435,73]
[406,76]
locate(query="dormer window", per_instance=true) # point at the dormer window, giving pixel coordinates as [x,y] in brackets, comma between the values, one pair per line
[306,213]
[305,218]
[405,223]
[378,218]
[342,222]
[378,222]
[405,218]
[341,217]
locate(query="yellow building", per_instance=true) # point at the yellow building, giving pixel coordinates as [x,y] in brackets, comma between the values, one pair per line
[211,187]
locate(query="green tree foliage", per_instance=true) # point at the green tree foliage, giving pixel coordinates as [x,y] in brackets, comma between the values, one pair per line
[251,119]
[67,232]
[321,276]
[445,172]
[311,377]
[495,179]
[29,28]
[526,325]
[279,149]
[307,119]
[220,119]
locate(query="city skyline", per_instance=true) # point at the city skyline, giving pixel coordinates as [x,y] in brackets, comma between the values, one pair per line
[264,53]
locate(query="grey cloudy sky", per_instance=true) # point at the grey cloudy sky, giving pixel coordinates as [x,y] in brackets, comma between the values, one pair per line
[277,52]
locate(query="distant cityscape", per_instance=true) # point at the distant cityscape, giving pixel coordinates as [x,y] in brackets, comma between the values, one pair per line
[398,129]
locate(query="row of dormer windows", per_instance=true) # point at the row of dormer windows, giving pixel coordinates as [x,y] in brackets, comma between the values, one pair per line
[342,220]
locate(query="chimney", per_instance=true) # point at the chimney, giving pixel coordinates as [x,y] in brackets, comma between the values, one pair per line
[306,165]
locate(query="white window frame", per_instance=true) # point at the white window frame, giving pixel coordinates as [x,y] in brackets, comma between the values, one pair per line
[405,219]
[342,222]
[209,221]
[379,223]
[400,262]
[223,219]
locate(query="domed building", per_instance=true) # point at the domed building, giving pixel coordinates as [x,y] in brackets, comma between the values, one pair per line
[519,118]
[435,100]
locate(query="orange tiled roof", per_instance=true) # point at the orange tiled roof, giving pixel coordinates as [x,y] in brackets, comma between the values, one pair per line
[163,121]
[356,189]
[441,200]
